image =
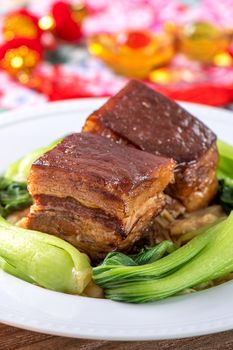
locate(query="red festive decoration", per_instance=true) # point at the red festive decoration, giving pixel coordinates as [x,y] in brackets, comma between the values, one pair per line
[231,49]
[209,94]
[137,39]
[21,24]
[138,53]
[19,56]
[57,84]
[67,22]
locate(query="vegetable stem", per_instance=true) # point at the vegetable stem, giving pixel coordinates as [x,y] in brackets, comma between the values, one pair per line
[110,275]
[208,256]
[43,259]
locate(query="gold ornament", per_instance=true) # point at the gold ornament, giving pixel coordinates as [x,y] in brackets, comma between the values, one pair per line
[79,12]
[202,41]
[171,75]
[20,60]
[46,23]
[20,25]
[134,53]
[161,76]
[223,59]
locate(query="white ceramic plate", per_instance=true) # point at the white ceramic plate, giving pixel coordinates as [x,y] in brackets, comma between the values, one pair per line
[31,307]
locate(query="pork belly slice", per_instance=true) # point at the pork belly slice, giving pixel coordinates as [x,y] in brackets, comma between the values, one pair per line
[89,229]
[140,117]
[93,192]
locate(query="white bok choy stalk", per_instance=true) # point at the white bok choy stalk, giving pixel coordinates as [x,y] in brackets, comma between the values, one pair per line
[43,259]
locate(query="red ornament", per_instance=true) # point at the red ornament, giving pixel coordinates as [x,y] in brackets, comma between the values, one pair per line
[208,94]
[57,84]
[21,24]
[20,56]
[137,40]
[67,25]
[230,50]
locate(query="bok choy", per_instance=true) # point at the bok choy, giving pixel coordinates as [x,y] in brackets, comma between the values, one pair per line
[145,256]
[13,196]
[43,259]
[111,275]
[207,257]
[19,170]
[13,185]
[225,176]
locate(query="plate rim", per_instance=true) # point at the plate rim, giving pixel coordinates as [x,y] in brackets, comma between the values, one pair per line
[29,112]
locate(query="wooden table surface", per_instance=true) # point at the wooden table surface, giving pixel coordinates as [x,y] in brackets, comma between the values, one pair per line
[14,338]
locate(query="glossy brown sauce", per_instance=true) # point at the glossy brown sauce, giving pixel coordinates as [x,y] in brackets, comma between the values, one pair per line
[155,124]
[99,160]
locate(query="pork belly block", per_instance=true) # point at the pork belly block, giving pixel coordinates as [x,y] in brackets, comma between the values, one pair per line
[95,193]
[140,117]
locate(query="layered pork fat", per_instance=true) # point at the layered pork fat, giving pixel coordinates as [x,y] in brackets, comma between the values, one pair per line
[96,194]
[142,118]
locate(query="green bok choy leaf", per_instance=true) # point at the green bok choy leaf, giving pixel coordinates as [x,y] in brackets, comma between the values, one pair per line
[112,274]
[225,167]
[225,176]
[13,196]
[43,259]
[145,256]
[207,257]
[13,188]
[150,254]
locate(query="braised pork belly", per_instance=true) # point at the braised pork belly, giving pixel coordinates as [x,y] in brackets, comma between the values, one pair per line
[142,118]
[96,194]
